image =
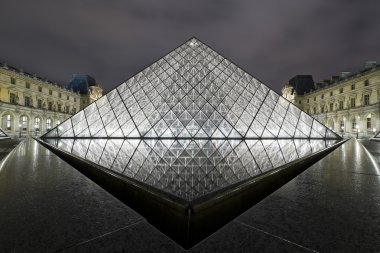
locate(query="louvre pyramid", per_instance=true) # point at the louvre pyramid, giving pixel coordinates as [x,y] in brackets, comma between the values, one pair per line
[3,135]
[192,92]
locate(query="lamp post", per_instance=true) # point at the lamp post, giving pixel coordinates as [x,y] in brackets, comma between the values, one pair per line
[19,130]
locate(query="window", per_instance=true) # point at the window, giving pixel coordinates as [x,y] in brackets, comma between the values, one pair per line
[39,88]
[352,102]
[24,122]
[50,92]
[366,99]
[37,122]
[50,106]
[59,108]
[331,93]
[341,105]
[314,111]
[13,80]
[27,85]
[27,101]
[323,96]
[67,97]
[12,98]
[39,104]
[315,98]
[75,99]
[59,95]
[369,125]
[58,122]
[48,124]
[341,125]
[366,83]
[9,122]
[67,109]
[341,90]
[353,124]
[353,86]
[307,101]
[299,102]
[331,107]
[322,109]
[74,110]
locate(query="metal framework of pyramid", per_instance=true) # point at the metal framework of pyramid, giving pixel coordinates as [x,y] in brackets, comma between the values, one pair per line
[192,92]
[3,135]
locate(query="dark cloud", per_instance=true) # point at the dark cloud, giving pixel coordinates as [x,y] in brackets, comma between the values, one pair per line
[111,40]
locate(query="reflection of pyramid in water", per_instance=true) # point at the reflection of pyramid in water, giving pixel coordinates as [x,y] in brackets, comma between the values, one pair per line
[192,92]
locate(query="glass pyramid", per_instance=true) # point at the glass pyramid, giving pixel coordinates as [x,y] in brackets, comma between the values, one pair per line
[187,137]
[192,93]
[3,135]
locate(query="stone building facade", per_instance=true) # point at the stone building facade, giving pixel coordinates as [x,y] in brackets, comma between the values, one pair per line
[30,105]
[348,104]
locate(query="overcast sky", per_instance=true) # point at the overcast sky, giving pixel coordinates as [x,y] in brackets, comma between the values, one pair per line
[273,40]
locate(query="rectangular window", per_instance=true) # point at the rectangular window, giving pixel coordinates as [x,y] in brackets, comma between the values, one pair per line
[307,100]
[299,102]
[67,97]
[12,98]
[314,111]
[341,90]
[39,88]
[13,80]
[331,93]
[369,125]
[366,83]
[27,85]
[331,107]
[39,103]
[341,105]
[27,101]
[24,120]
[353,86]
[59,108]
[67,109]
[352,102]
[74,110]
[322,96]
[50,106]
[315,98]
[59,95]
[9,122]
[75,99]
[366,99]
[322,109]
[50,92]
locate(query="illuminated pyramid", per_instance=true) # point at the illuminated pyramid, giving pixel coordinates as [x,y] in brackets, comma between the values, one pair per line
[189,136]
[192,92]
[3,135]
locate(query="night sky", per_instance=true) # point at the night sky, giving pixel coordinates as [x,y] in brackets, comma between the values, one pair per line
[112,40]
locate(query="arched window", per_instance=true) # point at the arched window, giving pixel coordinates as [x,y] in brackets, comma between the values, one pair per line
[58,122]
[353,124]
[9,122]
[37,122]
[24,122]
[48,124]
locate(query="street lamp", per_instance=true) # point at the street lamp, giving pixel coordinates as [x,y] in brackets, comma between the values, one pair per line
[19,130]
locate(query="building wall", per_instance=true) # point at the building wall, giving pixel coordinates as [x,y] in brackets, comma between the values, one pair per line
[35,100]
[345,104]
